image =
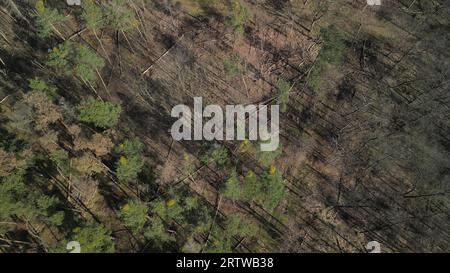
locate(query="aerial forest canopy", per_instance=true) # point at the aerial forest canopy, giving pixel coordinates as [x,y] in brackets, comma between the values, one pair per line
[86,154]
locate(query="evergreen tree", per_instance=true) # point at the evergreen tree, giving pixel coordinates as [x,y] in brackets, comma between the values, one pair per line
[103,114]
[130,161]
[75,60]
[239,16]
[93,238]
[46,18]
[119,16]
[284,89]
[134,215]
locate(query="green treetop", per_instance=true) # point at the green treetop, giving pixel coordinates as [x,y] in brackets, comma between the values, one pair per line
[134,215]
[76,60]
[103,114]
[93,238]
[46,19]
[92,15]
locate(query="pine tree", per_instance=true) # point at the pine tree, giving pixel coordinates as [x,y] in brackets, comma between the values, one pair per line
[239,16]
[93,238]
[130,161]
[75,60]
[284,89]
[46,18]
[92,15]
[330,55]
[103,114]
[120,17]
[134,215]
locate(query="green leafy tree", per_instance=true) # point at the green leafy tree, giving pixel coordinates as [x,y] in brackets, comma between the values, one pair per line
[217,154]
[330,55]
[268,157]
[17,200]
[157,232]
[232,65]
[61,160]
[132,146]
[238,17]
[13,197]
[130,162]
[92,15]
[76,60]
[46,18]
[93,238]
[233,188]
[37,84]
[134,215]
[103,114]
[119,16]
[284,89]
[87,63]
[235,225]
[272,188]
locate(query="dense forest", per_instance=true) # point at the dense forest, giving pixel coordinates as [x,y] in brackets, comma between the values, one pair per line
[86,155]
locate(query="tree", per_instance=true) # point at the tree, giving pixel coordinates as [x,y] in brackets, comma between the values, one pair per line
[95,20]
[130,161]
[157,232]
[330,55]
[239,16]
[232,65]
[17,200]
[217,154]
[284,89]
[235,225]
[45,112]
[92,15]
[103,114]
[233,188]
[75,60]
[37,84]
[120,17]
[93,238]
[272,188]
[134,215]
[87,164]
[98,143]
[61,160]
[13,193]
[46,18]
[266,158]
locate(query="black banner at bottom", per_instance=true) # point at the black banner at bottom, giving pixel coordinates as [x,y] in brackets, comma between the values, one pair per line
[162,262]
